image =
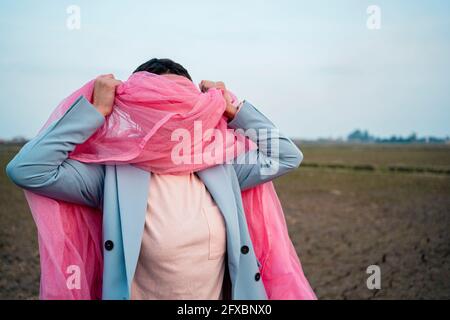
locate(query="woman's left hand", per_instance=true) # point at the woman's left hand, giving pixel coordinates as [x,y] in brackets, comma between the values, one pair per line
[230,109]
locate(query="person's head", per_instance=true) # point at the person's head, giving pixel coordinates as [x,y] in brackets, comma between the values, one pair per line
[163,66]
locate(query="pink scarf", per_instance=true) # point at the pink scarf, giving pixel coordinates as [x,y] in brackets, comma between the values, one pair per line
[148,108]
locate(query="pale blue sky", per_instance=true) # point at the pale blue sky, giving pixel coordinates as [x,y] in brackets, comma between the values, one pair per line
[311,66]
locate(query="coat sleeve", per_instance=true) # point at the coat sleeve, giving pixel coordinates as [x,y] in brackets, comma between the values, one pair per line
[43,166]
[275,155]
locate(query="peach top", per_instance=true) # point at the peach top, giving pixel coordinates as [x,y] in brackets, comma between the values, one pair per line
[184,242]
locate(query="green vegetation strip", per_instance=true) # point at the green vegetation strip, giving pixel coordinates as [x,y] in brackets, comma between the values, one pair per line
[369,167]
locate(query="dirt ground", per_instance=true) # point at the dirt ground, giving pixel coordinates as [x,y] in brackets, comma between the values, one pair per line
[340,220]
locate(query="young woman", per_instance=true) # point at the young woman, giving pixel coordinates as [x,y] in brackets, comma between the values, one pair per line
[165,235]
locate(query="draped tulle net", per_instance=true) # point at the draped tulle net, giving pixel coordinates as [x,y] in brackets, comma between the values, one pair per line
[148,108]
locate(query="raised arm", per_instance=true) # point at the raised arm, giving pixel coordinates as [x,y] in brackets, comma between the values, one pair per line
[276,153]
[42,165]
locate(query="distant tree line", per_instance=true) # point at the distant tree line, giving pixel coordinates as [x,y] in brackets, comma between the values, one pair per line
[15,140]
[357,136]
[363,136]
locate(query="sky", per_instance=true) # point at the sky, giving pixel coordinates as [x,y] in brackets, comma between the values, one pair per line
[313,67]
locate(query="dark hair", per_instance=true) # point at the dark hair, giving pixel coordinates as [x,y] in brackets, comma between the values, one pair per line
[163,66]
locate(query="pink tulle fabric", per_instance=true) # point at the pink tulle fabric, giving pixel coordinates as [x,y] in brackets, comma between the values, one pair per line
[148,109]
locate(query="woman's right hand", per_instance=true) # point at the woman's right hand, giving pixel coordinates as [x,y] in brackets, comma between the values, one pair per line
[104,93]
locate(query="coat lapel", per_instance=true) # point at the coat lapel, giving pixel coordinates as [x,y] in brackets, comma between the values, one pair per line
[219,186]
[133,187]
